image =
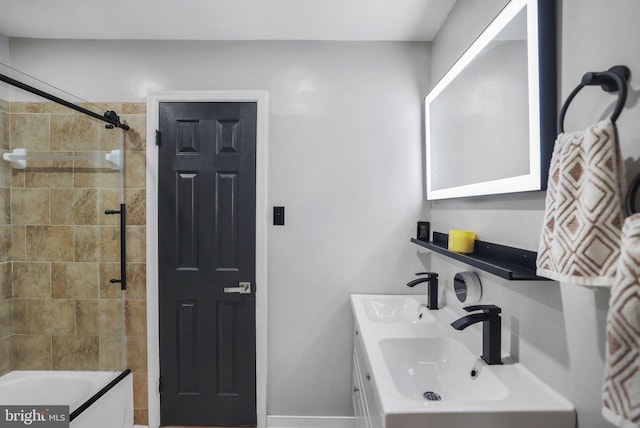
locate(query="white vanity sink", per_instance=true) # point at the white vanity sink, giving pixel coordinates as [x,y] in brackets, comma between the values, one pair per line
[398,359]
[440,368]
[396,309]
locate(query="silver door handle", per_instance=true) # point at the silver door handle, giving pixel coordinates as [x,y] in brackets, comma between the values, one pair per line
[243,288]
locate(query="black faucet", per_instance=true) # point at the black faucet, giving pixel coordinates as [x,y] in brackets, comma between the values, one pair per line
[490,316]
[431,279]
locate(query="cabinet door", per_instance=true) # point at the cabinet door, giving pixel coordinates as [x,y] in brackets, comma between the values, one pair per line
[374,417]
[358,400]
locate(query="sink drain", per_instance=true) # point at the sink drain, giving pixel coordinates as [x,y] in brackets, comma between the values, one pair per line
[474,373]
[432,396]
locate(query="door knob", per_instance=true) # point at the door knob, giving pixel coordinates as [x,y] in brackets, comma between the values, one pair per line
[243,288]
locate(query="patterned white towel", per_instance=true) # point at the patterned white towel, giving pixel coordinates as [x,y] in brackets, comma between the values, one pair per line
[621,393]
[580,241]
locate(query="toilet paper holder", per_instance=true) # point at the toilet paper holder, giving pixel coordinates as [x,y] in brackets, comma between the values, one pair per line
[467,287]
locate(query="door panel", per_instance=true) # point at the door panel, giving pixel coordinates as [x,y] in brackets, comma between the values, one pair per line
[206,241]
[187,230]
[227,369]
[187,348]
[226,208]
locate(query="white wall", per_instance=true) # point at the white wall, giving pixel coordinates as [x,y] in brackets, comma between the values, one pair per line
[344,158]
[4,49]
[4,59]
[556,330]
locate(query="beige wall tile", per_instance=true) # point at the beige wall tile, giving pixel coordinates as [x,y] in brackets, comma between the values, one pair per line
[50,243]
[5,243]
[136,353]
[18,243]
[6,323]
[87,175]
[98,317]
[31,280]
[5,172]
[107,272]
[49,174]
[109,247]
[5,356]
[134,108]
[135,137]
[5,105]
[136,200]
[75,280]
[46,107]
[19,316]
[109,139]
[140,396]
[75,353]
[136,281]
[5,130]
[5,206]
[141,416]
[30,206]
[86,243]
[136,244]
[108,199]
[135,315]
[87,318]
[5,280]
[16,106]
[73,132]
[17,177]
[74,206]
[31,352]
[101,107]
[135,170]
[110,353]
[30,131]
[51,316]
[97,243]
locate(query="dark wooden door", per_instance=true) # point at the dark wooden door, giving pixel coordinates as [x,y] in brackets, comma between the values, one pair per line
[206,250]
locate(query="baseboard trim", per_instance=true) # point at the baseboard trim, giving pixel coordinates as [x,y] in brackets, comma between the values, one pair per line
[304,422]
[275,421]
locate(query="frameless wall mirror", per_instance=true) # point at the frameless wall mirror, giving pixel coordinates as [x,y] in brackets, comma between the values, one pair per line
[490,121]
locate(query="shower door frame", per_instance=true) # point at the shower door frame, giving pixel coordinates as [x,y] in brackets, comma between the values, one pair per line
[153,347]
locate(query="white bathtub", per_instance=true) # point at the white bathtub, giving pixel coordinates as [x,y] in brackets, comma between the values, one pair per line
[113,410]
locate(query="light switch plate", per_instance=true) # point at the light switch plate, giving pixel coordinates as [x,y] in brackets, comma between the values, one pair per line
[278,216]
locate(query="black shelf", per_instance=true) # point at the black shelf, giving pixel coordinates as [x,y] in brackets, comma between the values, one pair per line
[510,263]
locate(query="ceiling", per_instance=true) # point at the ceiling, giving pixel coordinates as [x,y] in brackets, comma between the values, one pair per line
[344,20]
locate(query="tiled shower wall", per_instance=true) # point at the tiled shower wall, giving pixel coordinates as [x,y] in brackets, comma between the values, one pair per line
[65,313]
[6,329]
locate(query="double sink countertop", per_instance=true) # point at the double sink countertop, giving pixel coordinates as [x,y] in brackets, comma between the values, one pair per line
[426,373]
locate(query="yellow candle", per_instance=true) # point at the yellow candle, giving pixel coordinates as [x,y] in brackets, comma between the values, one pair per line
[461,241]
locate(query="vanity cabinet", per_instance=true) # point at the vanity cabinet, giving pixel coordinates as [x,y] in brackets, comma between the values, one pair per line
[365,404]
[359,407]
